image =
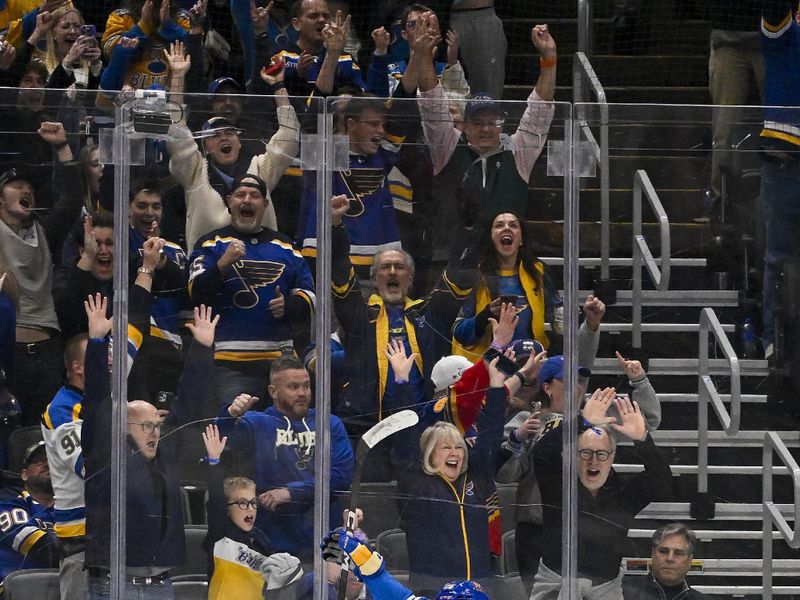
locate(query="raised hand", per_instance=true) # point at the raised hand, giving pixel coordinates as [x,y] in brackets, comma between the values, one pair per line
[89,242]
[96,307]
[633,368]
[530,370]
[496,377]
[277,306]
[382,39]
[151,252]
[7,54]
[214,444]
[339,206]
[260,17]
[129,43]
[146,17]
[241,404]
[197,14]
[163,13]
[401,364]
[633,424]
[543,41]
[595,410]
[335,33]
[179,61]
[452,48]
[427,35]
[503,329]
[204,325]
[52,132]
[235,250]
[529,427]
[594,310]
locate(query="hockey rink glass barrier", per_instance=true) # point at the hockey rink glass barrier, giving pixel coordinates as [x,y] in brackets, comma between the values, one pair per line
[372,262]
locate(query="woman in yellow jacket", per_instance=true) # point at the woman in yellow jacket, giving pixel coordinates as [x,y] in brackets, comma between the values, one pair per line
[509,272]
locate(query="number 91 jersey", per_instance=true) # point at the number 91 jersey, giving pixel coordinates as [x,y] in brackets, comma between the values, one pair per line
[23,522]
[61,431]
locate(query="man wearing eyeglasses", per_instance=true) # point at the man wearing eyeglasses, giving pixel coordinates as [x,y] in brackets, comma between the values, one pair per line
[673,550]
[607,502]
[493,170]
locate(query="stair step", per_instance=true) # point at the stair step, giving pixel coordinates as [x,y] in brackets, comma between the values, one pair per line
[674,298]
[719,439]
[738,567]
[621,261]
[748,398]
[660,327]
[746,590]
[712,469]
[679,511]
[686,367]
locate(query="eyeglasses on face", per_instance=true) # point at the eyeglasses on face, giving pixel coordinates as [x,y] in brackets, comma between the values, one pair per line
[245,504]
[601,455]
[148,428]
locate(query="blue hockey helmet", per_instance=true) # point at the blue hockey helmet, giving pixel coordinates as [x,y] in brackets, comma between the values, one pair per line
[462,590]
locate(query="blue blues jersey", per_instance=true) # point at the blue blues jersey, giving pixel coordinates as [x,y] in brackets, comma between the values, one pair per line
[23,523]
[241,294]
[781,49]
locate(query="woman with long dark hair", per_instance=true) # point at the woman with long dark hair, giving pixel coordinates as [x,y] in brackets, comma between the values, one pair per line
[509,271]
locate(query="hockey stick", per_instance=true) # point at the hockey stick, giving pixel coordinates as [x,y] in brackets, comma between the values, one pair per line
[377,433]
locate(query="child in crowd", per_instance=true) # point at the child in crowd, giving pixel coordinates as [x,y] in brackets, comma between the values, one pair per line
[241,562]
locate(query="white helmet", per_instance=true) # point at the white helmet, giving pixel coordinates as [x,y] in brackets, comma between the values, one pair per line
[448,370]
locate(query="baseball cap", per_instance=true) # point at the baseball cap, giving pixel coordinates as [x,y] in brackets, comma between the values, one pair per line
[524,348]
[448,370]
[34,452]
[216,124]
[214,86]
[482,102]
[250,180]
[553,368]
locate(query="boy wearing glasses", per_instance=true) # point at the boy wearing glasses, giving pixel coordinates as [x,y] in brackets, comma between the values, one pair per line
[241,560]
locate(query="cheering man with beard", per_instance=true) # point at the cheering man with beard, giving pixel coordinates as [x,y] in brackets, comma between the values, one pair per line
[26,518]
[259,285]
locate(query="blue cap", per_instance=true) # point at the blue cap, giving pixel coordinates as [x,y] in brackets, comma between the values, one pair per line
[214,86]
[553,368]
[216,124]
[524,348]
[482,102]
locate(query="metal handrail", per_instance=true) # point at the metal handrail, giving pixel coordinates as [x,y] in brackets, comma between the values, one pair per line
[771,515]
[659,274]
[582,68]
[707,391]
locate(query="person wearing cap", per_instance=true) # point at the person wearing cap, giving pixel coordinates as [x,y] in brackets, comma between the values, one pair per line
[26,518]
[207,175]
[493,171]
[260,285]
[607,502]
[61,429]
[508,269]
[26,244]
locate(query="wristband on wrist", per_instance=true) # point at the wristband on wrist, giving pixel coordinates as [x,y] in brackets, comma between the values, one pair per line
[497,346]
[400,381]
[521,378]
[144,271]
[547,63]
[212,461]
[60,145]
[276,87]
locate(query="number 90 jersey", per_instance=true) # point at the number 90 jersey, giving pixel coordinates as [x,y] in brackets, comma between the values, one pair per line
[61,430]
[23,522]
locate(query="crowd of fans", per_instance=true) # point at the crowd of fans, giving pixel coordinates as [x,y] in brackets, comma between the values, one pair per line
[440,302]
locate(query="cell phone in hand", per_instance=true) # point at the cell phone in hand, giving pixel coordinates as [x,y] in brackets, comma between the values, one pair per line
[504,364]
[273,69]
[164,400]
[90,30]
[509,299]
[536,407]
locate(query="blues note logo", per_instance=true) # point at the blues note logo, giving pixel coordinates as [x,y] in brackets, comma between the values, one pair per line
[254,274]
[361,183]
